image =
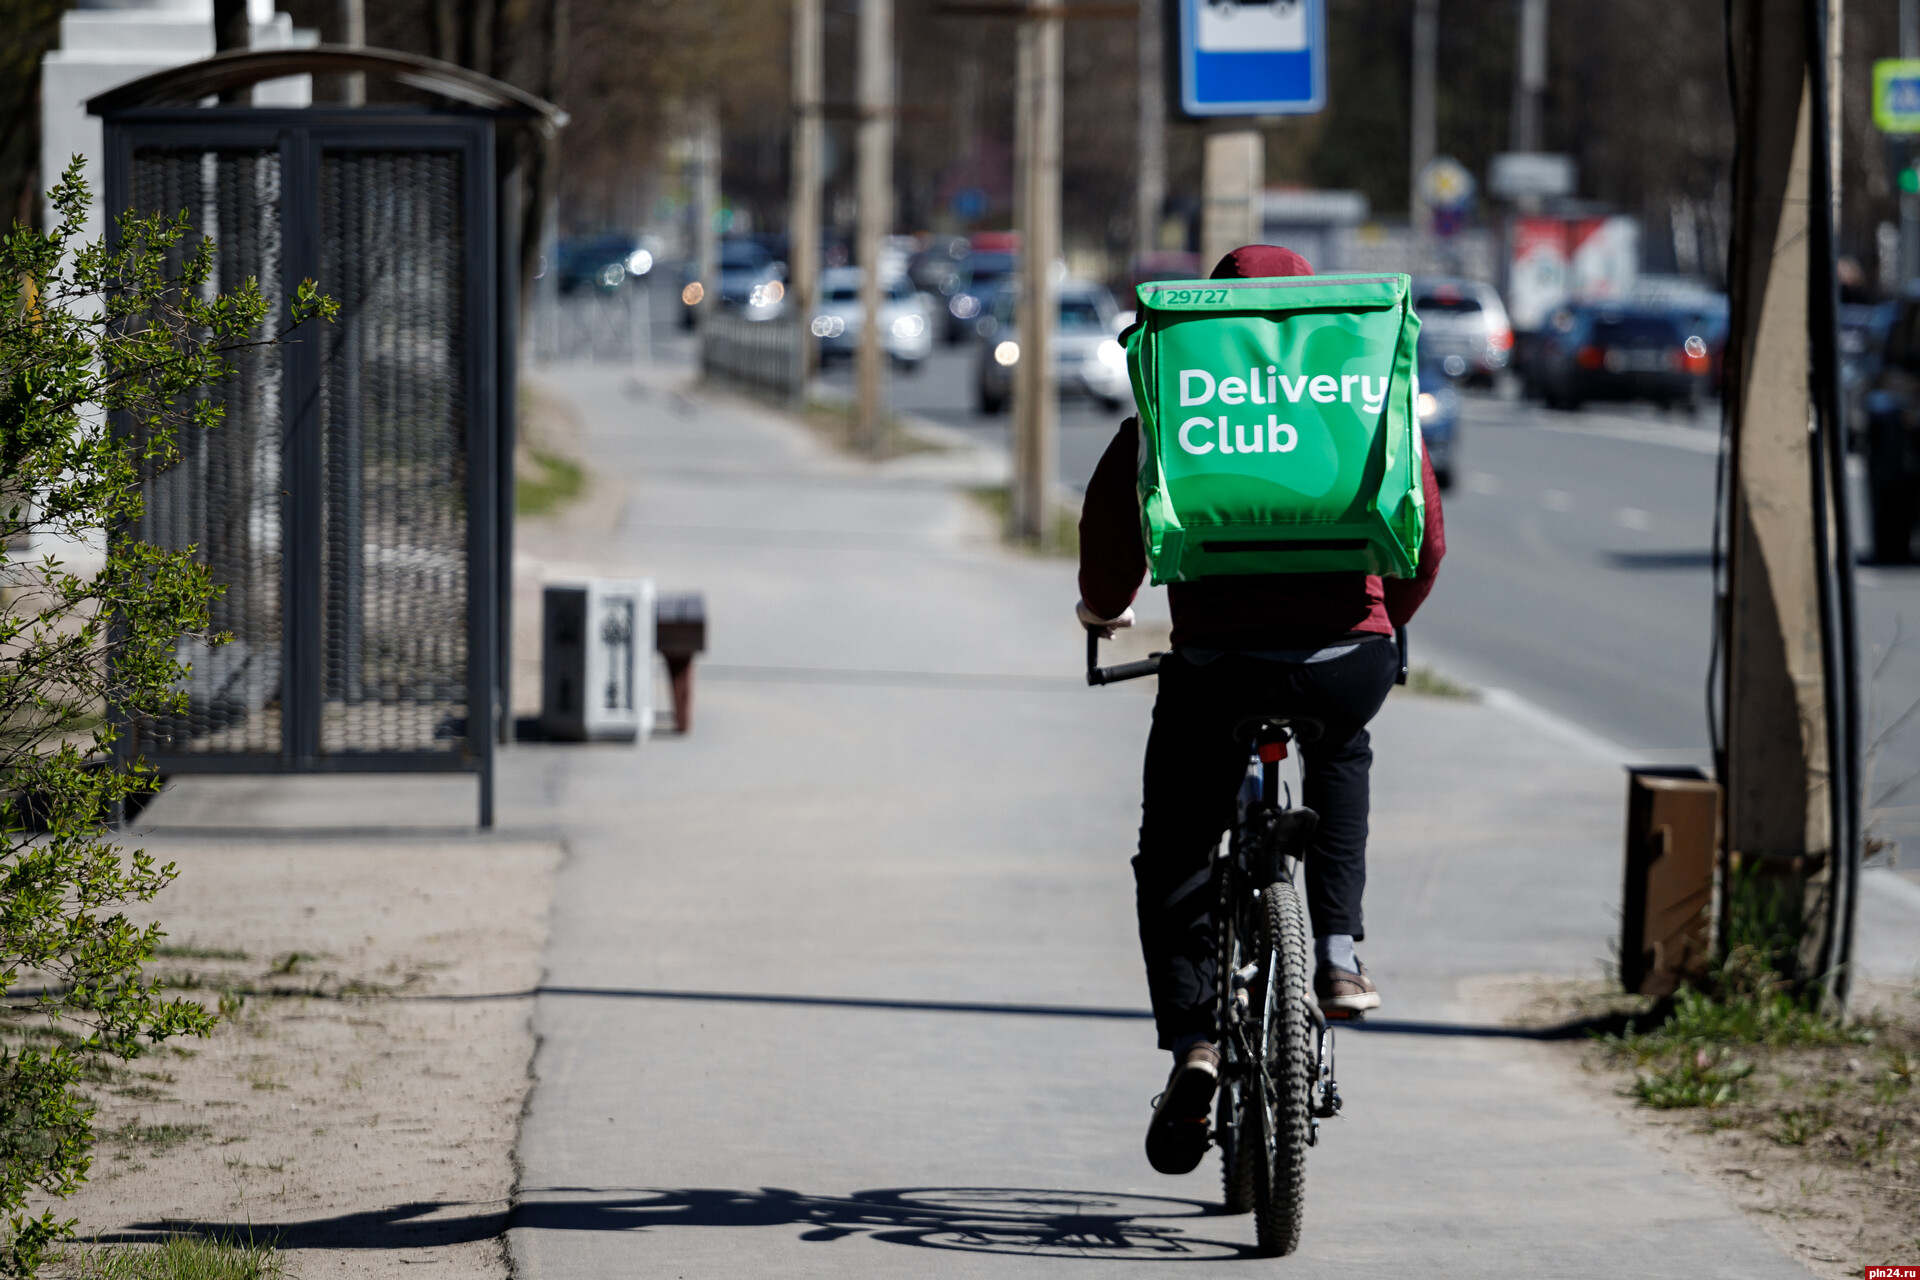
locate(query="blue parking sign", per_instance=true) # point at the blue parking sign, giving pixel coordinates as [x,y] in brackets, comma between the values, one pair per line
[1252,57]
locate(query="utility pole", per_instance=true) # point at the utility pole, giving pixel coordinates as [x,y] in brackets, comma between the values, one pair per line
[1150,185]
[803,213]
[1530,83]
[1789,736]
[1426,41]
[704,151]
[875,183]
[353,34]
[1233,173]
[1036,402]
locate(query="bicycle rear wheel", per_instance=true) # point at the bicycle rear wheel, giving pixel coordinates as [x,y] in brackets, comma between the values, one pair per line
[1280,1087]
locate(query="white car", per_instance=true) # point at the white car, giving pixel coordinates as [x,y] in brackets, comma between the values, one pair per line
[905,333]
[1088,358]
[1463,323]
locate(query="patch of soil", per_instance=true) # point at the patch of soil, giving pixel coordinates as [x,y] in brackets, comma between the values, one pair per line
[360,1102]
[1820,1146]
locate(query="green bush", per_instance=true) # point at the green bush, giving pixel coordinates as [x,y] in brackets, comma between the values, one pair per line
[106,353]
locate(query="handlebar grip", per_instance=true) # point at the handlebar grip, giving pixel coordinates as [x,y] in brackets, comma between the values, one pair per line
[1125,671]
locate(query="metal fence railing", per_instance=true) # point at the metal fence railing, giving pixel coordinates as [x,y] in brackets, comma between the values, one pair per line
[765,358]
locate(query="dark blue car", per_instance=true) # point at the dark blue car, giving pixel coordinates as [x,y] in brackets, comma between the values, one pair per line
[1438,408]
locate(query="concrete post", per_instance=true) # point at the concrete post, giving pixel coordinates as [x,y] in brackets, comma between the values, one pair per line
[1785,750]
[875,183]
[1233,174]
[1036,406]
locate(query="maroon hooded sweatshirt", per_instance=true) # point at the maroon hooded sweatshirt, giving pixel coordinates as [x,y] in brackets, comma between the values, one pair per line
[1252,611]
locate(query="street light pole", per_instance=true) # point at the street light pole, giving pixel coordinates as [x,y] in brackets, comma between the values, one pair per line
[875,182]
[1036,407]
[803,213]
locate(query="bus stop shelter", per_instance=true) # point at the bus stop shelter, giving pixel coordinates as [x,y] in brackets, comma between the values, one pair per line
[357,501]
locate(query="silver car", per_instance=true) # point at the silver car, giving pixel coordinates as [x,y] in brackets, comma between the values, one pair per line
[1088,359]
[904,332]
[1463,323]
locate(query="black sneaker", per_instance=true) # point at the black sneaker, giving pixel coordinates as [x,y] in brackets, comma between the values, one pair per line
[1178,1136]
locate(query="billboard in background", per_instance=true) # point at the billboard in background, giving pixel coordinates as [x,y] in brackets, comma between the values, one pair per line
[1556,261]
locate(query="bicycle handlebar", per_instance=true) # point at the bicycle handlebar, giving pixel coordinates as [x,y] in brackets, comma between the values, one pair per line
[1098,675]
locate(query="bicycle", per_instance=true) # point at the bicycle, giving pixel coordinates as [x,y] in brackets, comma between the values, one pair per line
[1276,1046]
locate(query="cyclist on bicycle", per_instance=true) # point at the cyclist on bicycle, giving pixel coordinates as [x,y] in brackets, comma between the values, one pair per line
[1315,645]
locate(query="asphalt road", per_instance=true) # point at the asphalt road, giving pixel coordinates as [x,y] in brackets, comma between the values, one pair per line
[1578,573]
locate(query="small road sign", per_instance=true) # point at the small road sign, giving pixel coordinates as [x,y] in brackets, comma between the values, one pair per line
[1252,57]
[1896,95]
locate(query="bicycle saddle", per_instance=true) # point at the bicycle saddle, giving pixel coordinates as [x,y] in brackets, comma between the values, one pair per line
[1254,730]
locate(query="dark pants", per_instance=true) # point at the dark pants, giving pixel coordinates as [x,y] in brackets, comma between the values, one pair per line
[1193,774]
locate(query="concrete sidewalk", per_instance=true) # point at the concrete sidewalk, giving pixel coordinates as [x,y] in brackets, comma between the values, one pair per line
[846,981]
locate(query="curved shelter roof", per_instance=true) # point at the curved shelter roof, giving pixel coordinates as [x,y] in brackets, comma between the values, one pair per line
[240,69]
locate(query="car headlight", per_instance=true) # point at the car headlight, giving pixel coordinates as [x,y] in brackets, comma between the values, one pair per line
[828,326]
[908,326]
[1007,353]
[639,262]
[964,306]
[611,275]
[1427,405]
[692,294]
[765,295]
[1111,354]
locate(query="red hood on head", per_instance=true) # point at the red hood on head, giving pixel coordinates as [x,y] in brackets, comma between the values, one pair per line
[1258,261]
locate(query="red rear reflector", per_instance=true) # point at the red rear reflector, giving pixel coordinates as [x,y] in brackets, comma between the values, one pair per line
[1272,752]
[1591,357]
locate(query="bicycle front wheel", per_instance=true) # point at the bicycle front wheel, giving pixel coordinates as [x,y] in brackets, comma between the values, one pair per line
[1282,1080]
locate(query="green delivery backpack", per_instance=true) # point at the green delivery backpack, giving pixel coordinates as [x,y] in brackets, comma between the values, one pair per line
[1278,426]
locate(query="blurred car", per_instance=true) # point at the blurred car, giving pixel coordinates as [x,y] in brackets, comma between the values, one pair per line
[1088,360]
[1438,407]
[1892,409]
[978,276]
[1464,318]
[1619,353]
[1163,264]
[602,262]
[751,282]
[905,333]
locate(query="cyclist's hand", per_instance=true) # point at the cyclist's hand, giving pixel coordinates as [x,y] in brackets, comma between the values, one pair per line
[1105,626]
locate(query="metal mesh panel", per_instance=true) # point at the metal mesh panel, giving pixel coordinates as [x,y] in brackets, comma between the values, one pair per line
[223,495]
[393,654]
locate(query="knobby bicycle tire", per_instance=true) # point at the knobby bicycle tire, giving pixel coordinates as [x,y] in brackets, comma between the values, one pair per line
[1283,1090]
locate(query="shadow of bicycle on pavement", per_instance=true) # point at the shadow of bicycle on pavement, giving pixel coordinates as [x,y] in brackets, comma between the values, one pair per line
[1010,1220]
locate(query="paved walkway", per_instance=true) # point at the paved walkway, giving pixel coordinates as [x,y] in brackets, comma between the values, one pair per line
[845,982]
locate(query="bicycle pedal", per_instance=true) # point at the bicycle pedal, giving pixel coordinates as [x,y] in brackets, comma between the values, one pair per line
[1343,1015]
